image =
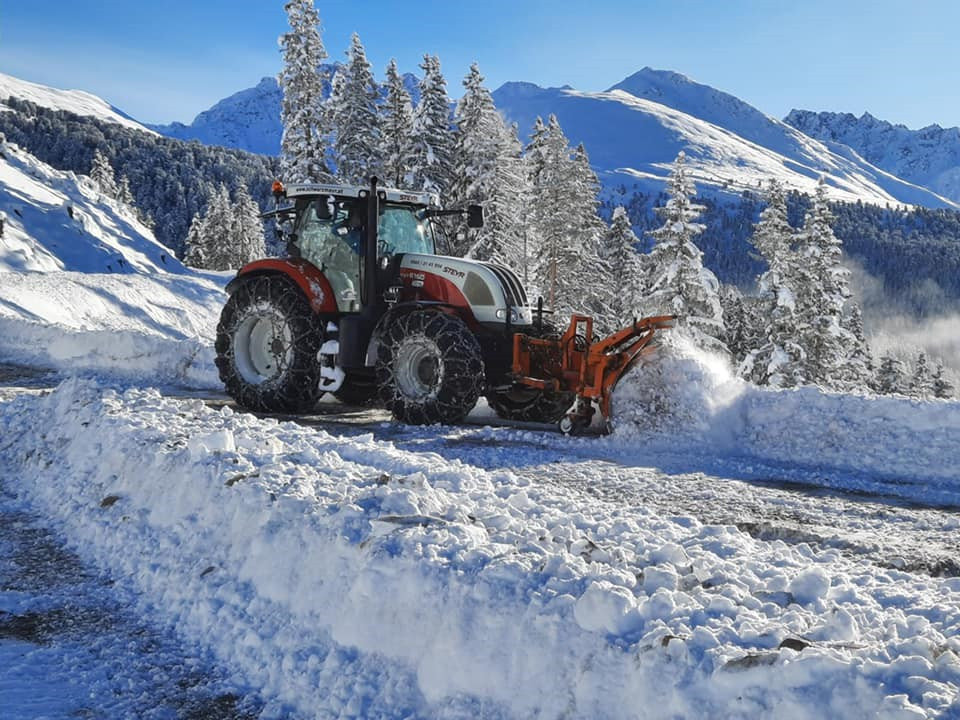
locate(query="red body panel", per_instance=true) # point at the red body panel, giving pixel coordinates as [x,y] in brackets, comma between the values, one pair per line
[309,279]
[435,288]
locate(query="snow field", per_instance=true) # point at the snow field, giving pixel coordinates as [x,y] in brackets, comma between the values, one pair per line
[689,397]
[345,577]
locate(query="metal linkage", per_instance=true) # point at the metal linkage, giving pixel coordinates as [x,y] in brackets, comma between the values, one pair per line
[577,363]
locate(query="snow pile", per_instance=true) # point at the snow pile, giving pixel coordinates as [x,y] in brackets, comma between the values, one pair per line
[156,328]
[345,577]
[687,392]
[127,306]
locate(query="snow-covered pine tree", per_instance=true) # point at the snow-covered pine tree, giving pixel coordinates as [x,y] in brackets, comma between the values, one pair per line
[488,171]
[618,250]
[218,225]
[828,344]
[565,242]
[196,250]
[942,388]
[356,122]
[125,194]
[596,278]
[396,129]
[432,167]
[921,382]
[101,172]
[858,369]
[247,242]
[303,147]
[778,358]
[742,318]
[890,377]
[676,281]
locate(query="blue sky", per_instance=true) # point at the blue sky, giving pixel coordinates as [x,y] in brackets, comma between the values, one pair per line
[163,61]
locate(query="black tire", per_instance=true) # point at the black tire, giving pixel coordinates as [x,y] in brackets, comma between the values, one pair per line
[267,344]
[526,404]
[357,390]
[429,368]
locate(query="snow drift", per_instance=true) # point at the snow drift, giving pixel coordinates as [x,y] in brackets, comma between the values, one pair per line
[345,577]
[692,394]
[85,286]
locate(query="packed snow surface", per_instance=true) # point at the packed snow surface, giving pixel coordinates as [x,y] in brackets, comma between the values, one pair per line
[74,101]
[347,577]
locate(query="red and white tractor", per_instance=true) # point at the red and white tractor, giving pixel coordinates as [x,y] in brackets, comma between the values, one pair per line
[364,308]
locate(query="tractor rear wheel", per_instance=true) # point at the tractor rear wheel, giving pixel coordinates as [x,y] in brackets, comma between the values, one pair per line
[527,404]
[267,344]
[429,368]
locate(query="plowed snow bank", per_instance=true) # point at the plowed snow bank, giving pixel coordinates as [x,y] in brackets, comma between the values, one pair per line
[688,392]
[344,577]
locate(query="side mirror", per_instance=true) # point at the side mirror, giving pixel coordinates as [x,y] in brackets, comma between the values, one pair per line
[474,216]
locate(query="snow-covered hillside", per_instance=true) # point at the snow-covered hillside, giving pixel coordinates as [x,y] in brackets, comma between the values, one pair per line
[74,101]
[61,221]
[634,130]
[84,285]
[929,156]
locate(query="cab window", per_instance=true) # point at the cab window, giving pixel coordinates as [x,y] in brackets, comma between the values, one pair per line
[402,232]
[330,236]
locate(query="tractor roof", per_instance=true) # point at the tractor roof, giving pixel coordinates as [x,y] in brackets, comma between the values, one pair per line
[388,194]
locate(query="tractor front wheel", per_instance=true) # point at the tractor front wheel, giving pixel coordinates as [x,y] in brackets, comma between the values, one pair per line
[429,368]
[267,343]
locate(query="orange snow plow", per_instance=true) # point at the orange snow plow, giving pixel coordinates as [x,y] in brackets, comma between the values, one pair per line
[577,363]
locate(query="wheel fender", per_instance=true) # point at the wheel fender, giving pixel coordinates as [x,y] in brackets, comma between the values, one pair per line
[305,275]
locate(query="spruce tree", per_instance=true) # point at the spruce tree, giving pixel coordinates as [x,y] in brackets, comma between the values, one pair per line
[921,383]
[821,301]
[676,281]
[488,171]
[618,250]
[124,193]
[566,264]
[196,250]
[247,241]
[779,357]
[432,166]
[890,377]
[218,227]
[942,388]
[356,123]
[396,130]
[101,172]
[303,146]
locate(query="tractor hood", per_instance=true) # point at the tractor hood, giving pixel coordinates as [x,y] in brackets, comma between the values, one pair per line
[493,293]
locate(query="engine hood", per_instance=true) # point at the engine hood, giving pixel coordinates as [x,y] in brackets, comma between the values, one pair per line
[492,292]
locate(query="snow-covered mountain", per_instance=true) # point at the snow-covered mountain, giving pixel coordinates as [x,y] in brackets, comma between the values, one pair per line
[929,156]
[74,101]
[248,120]
[634,130]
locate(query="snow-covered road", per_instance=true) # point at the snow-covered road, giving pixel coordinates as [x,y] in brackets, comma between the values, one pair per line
[406,573]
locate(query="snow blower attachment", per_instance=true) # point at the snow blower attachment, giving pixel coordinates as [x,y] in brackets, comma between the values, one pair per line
[364,308]
[589,368]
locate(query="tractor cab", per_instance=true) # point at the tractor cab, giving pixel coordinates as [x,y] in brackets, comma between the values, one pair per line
[330,229]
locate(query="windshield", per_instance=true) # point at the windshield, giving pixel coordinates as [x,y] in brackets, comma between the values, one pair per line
[402,232]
